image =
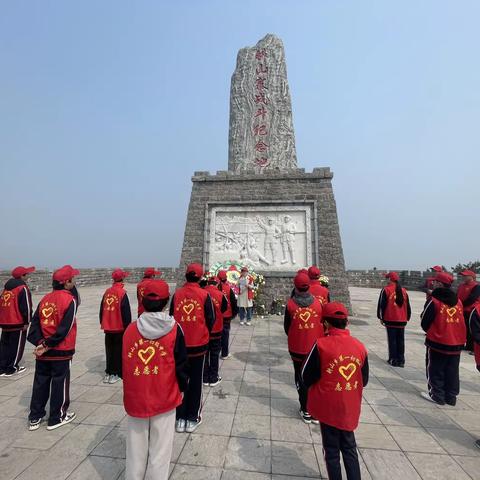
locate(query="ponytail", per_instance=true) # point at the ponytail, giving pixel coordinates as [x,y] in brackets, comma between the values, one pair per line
[399,294]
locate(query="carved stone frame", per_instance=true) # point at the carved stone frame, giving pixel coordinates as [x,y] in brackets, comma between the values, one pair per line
[309,207]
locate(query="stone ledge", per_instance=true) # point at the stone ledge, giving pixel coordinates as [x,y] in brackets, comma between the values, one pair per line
[251,175]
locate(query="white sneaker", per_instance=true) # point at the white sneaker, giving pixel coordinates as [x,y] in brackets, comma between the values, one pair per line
[214,384]
[113,379]
[242,322]
[180,425]
[228,356]
[68,418]
[106,378]
[248,323]
[34,424]
[21,370]
[206,384]
[191,426]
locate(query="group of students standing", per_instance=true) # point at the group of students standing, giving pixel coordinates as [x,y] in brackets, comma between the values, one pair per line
[169,357]
[330,367]
[450,320]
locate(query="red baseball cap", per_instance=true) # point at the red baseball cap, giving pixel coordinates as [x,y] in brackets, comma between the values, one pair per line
[156,290]
[468,273]
[303,270]
[437,268]
[314,272]
[301,281]
[18,272]
[195,268]
[393,276]
[335,310]
[151,272]
[213,279]
[119,274]
[65,273]
[443,277]
[244,269]
[222,275]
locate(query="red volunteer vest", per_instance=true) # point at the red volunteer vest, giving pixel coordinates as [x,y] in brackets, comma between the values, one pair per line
[10,315]
[464,291]
[394,313]
[189,312]
[319,291]
[226,291]
[51,310]
[448,327]
[111,308]
[217,296]
[306,326]
[148,368]
[336,398]
[140,290]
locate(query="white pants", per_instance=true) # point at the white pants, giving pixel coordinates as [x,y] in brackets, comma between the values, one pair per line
[149,446]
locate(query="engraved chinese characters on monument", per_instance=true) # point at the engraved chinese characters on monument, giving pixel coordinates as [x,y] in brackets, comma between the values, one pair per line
[261,128]
[267,238]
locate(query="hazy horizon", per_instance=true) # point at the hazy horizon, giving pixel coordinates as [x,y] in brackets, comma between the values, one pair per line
[108,109]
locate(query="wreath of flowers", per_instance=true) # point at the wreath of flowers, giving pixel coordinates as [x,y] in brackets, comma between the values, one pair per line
[233,268]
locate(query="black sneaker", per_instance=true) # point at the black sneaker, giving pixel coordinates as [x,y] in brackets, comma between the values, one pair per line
[68,418]
[34,424]
[452,401]
[477,443]
[214,384]
[305,416]
[428,397]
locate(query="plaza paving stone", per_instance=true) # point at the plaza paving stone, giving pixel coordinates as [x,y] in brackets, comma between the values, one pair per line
[251,429]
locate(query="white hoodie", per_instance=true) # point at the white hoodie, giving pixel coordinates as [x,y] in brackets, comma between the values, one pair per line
[153,325]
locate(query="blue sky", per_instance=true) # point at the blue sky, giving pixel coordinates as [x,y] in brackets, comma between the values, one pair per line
[108,107]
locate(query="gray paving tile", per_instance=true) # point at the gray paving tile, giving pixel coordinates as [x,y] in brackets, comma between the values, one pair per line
[471,465]
[437,467]
[242,475]
[14,461]
[455,442]
[388,465]
[294,459]
[253,405]
[252,426]
[414,439]
[204,450]
[98,468]
[290,429]
[395,416]
[106,414]
[375,436]
[249,454]
[190,472]
[216,423]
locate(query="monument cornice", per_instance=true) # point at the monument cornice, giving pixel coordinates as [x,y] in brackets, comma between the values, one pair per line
[293,174]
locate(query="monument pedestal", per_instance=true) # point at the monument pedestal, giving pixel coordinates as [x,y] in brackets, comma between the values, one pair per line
[277,222]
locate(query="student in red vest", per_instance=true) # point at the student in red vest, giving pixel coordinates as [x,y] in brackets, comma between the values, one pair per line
[154,375]
[220,304]
[148,275]
[474,324]
[15,316]
[303,325]
[115,316]
[53,331]
[428,285]
[192,308]
[316,288]
[335,373]
[442,320]
[229,314]
[394,312]
[468,293]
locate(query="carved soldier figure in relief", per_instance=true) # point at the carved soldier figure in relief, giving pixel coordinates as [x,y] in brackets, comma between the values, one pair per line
[287,239]
[271,233]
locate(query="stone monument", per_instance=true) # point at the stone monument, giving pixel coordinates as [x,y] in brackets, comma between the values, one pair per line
[264,211]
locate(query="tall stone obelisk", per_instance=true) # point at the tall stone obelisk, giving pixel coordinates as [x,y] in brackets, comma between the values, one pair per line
[261,135]
[265,211]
